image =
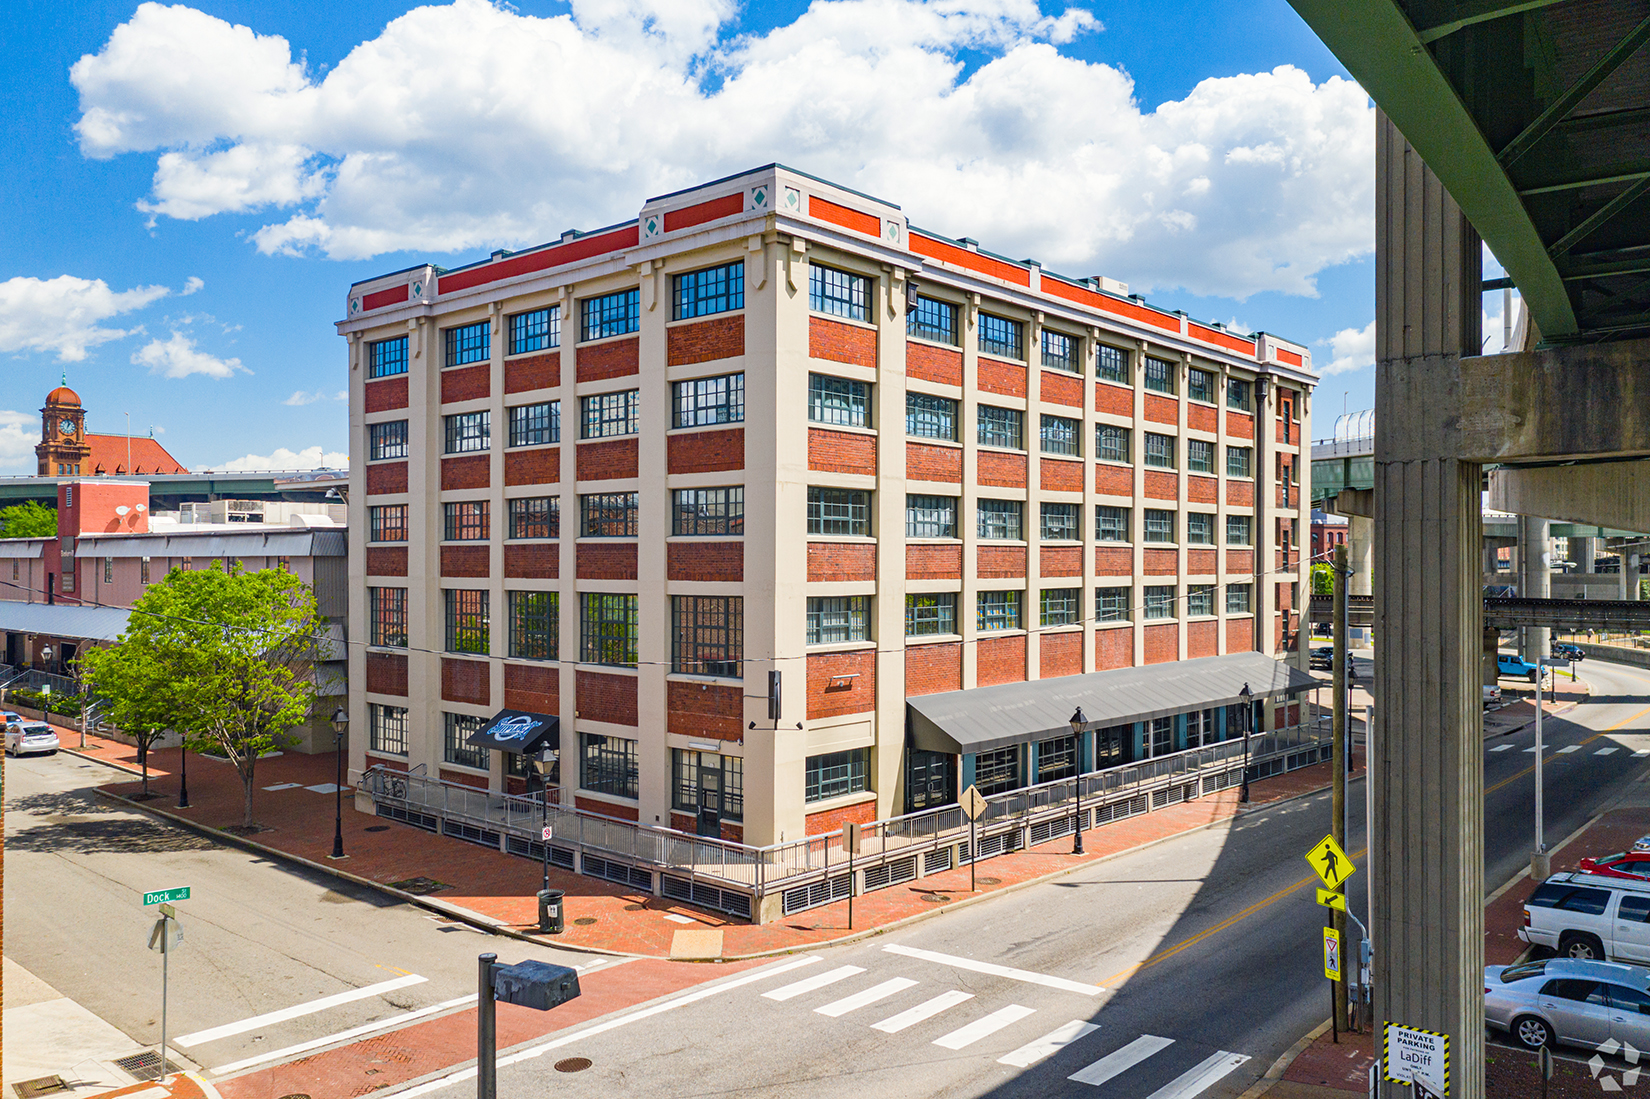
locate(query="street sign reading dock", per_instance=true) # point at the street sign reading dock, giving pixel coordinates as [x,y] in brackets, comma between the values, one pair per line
[164,895]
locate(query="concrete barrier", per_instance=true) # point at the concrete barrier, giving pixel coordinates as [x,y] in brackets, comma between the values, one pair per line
[1616,654]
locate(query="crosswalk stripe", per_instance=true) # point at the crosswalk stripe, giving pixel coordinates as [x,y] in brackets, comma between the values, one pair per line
[1052,1042]
[1531,748]
[1605,751]
[808,984]
[1196,1081]
[869,996]
[285,1014]
[1502,748]
[1642,752]
[926,1010]
[1568,748]
[966,1036]
[1120,1061]
[996,970]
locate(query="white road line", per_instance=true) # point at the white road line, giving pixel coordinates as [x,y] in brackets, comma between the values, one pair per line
[612,1024]
[1531,748]
[869,996]
[996,970]
[1568,748]
[297,1012]
[1199,1079]
[809,984]
[1120,1061]
[323,788]
[1503,748]
[1606,751]
[926,1010]
[283,786]
[966,1036]
[1052,1042]
[344,1035]
[1642,752]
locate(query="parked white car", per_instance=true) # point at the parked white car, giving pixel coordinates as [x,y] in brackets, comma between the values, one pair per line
[30,736]
[1590,917]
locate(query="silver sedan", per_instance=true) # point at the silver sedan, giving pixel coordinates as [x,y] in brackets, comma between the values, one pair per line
[1582,1003]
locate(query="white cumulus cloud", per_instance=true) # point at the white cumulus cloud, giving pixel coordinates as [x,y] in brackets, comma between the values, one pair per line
[469,125]
[65,314]
[178,358]
[192,284]
[1350,349]
[284,459]
[19,433]
[300,398]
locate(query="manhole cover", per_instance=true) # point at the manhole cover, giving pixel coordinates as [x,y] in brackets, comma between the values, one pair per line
[935,898]
[583,921]
[419,886]
[573,1064]
[378,828]
[144,1066]
[296,1095]
[44,1085]
[634,907]
[988,881]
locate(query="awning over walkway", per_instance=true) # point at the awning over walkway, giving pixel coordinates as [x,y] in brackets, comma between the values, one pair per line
[63,620]
[985,718]
[518,731]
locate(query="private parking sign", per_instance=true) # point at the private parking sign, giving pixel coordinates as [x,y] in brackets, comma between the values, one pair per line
[1417,1057]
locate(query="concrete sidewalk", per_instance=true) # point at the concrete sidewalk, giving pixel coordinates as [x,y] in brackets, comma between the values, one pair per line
[294,804]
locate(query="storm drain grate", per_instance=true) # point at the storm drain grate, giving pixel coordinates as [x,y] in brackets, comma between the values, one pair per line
[419,886]
[144,1066]
[573,1064]
[43,1085]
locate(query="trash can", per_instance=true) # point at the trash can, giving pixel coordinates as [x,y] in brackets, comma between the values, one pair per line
[551,920]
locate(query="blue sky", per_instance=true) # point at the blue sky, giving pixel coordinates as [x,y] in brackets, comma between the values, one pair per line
[189,205]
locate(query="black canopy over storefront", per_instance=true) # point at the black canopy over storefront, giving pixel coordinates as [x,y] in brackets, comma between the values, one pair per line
[519,731]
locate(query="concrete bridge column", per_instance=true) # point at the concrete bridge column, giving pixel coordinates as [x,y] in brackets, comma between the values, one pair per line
[1426,857]
[1360,557]
[1535,581]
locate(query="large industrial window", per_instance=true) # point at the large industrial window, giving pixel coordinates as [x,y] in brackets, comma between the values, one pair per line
[929,417]
[465,521]
[387,440]
[1110,364]
[468,432]
[1160,375]
[1060,523]
[1200,456]
[839,511]
[1200,385]
[1000,519]
[1237,394]
[466,620]
[1238,461]
[534,624]
[998,771]
[387,357]
[1001,337]
[1004,427]
[607,629]
[1160,601]
[387,523]
[707,635]
[998,610]
[836,774]
[609,414]
[930,614]
[1059,435]
[610,315]
[1200,528]
[1111,444]
[932,320]
[538,330]
[607,515]
[930,516]
[686,767]
[710,511]
[1061,606]
[706,401]
[838,401]
[1111,524]
[1200,599]
[1056,758]
[838,293]
[1060,352]
[1160,450]
[535,517]
[1238,598]
[713,290]
[607,765]
[1239,530]
[838,619]
[387,610]
[1159,525]
[470,343]
[388,729]
[1113,605]
[535,424]
[455,745]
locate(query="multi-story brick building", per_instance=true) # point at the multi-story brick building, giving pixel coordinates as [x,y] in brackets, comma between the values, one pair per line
[801,436]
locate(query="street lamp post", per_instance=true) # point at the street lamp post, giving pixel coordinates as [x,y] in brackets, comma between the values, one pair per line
[1077,723]
[183,771]
[340,723]
[1248,719]
[547,756]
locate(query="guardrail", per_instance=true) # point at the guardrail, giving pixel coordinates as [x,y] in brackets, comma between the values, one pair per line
[767,883]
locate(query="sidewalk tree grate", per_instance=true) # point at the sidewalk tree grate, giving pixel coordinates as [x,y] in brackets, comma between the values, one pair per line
[419,886]
[585,921]
[634,907]
[42,1085]
[573,1064]
[142,1066]
[935,898]
[988,881]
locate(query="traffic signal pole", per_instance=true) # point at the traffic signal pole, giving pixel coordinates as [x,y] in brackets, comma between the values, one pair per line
[1339,757]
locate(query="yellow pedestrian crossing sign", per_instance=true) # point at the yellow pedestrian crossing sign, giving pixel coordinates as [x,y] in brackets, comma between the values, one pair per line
[1331,899]
[1331,953]
[1330,862]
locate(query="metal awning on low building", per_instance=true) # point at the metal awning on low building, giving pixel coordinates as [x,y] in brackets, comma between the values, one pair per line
[519,731]
[984,718]
[62,620]
[26,548]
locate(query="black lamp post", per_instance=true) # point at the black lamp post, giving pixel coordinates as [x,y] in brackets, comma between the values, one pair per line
[340,723]
[1248,719]
[183,771]
[1077,723]
[545,760]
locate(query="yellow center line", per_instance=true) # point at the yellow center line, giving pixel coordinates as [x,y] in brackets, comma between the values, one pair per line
[1554,753]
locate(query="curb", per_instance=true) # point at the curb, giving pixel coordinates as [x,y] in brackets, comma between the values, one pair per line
[1281,1065]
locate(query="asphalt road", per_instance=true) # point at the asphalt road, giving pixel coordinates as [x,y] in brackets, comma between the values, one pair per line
[1178,971]
[259,937]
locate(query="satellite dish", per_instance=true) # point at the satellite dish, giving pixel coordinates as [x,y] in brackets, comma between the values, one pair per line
[122,510]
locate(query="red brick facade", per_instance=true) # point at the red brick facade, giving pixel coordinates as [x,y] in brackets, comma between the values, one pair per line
[1000,562]
[532,560]
[838,561]
[1162,486]
[996,376]
[1160,562]
[474,782]
[1240,425]
[469,472]
[533,687]
[467,681]
[1240,635]
[1060,560]
[1201,639]
[1062,388]
[842,683]
[705,561]
[1202,490]
[933,463]
[608,360]
[386,395]
[1113,561]
[606,560]
[712,710]
[386,560]
[1059,475]
[1115,399]
[842,343]
[532,372]
[1162,410]
[1113,648]
[386,477]
[933,364]
[1059,654]
[467,383]
[1110,480]
[605,808]
[1201,417]
[831,820]
[933,562]
[705,341]
[707,451]
[1000,470]
[1000,660]
[1240,561]
[606,460]
[387,674]
[1200,562]
[601,696]
[1240,494]
[1162,643]
[841,452]
[533,467]
[931,669]
[464,561]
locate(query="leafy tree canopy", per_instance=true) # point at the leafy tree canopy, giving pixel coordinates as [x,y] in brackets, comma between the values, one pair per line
[30,519]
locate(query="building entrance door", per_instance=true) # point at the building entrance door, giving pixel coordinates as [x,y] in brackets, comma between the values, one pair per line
[929,780]
[710,796]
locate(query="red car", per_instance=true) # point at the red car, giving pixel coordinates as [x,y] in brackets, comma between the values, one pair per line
[1632,864]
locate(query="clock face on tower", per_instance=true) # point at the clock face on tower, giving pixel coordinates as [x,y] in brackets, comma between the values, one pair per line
[67,427]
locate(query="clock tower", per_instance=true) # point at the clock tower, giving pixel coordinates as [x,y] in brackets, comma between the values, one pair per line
[63,448]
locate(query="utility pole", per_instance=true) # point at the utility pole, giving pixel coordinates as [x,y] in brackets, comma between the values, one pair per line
[1339,758]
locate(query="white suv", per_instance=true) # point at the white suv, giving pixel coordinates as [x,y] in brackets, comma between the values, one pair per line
[1590,916]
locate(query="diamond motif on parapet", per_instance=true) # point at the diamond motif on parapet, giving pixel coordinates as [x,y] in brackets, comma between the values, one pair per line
[354,305]
[793,199]
[759,198]
[892,230]
[418,290]
[651,227]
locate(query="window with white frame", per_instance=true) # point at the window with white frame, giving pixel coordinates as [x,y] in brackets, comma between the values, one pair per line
[1200,456]
[1200,599]
[841,402]
[1002,427]
[930,417]
[1059,435]
[1160,450]
[1111,524]
[1060,523]
[1238,598]
[839,511]
[929,614]
[1159,525]
[1113,604]
[388,729]
[1111,444]
[1159,601]
[930,516]
[838,619]
[1000,520]
[998,610]
[1061,606]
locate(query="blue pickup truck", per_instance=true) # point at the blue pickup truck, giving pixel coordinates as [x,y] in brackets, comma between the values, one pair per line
[1508,664]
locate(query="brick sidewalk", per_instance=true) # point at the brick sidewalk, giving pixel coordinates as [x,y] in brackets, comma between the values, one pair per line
[499,890]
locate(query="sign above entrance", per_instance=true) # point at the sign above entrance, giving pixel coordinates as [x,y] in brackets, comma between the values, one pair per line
[518,731]
[972,802]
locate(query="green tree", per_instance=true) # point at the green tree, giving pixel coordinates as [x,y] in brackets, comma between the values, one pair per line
[30,519]
[224,658]
[1323,578]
